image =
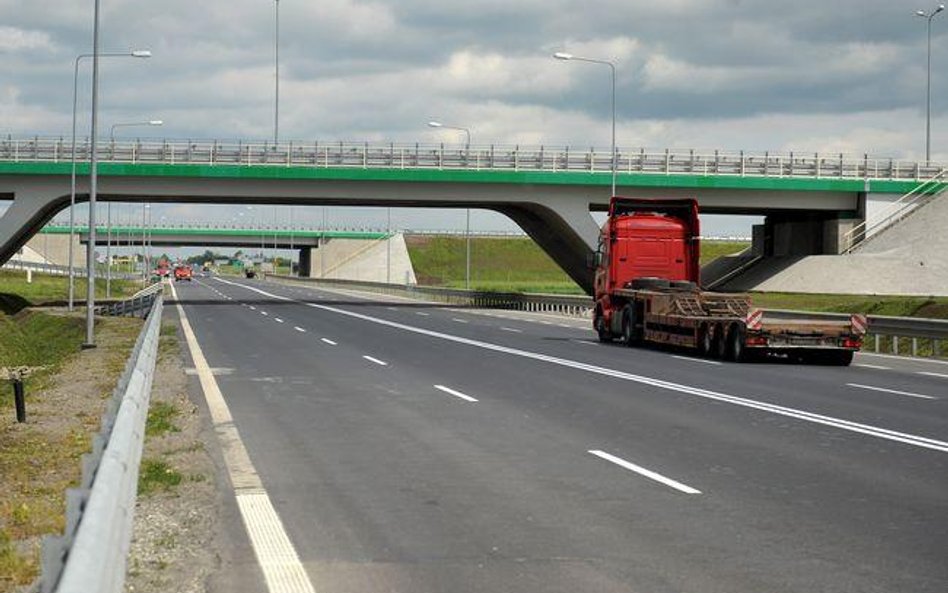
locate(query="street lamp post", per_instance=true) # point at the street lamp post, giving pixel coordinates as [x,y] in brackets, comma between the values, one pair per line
[93,181]
[276,56]
[928,95]
[567,56]
[108,208]
[467,217]
[138,53]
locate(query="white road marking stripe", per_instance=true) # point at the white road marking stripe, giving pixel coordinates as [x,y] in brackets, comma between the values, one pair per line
[511,329]
[692,359]
[646,472]
[455,393]
[586,342]
[391,308]
[278,560]
[895,391]
[299,329]
[422,313]
[873,366]
[904,358]
[930,374]
[459,320]
[328,341]
[848,425]
[252,308]
[278,320]
[375,360]
[264,313]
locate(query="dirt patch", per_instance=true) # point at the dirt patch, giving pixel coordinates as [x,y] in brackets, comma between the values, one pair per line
[176,516]
[40,459]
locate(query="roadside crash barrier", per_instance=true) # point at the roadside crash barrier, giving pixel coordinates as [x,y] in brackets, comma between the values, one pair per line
[91,554]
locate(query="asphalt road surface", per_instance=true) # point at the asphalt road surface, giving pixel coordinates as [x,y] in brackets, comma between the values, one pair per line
[419,448]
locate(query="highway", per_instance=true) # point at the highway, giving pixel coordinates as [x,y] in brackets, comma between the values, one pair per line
[417,447]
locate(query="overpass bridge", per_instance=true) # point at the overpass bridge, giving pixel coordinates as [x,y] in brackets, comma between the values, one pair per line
[809,200]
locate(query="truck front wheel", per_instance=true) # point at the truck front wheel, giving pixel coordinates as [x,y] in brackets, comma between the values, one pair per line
[602,329]
[628,326]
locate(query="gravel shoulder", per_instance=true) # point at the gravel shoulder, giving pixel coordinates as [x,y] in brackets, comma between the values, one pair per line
[175,545]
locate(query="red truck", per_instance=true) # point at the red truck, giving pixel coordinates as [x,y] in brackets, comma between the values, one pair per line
[647,291]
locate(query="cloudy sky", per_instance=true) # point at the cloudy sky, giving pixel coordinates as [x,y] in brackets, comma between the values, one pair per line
[808,75]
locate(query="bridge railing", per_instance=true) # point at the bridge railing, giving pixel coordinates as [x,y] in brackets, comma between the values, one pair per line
[367,155]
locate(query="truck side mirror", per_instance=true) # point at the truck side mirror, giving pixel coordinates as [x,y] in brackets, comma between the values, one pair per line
[594,260]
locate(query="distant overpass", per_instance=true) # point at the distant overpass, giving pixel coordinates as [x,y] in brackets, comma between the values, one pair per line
[809,200]
[214,237]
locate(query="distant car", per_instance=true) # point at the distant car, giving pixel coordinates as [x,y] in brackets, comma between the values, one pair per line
[250,273]
[182,273]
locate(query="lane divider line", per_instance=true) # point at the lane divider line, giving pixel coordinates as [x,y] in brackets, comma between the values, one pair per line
[701,360]
[842,424]
[646,472]
[455,393]
[276,555]
[873,366]
[512,329]
[375,360]
[264,313]
[299,329]
[278,320]
[459,320]
[422,313]
[328,341]
[895,391]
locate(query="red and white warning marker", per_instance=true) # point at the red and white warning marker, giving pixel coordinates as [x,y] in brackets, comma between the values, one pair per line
[860,324]
[754,319]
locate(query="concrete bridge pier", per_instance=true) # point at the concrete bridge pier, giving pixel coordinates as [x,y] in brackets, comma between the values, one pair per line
[801,234]
[306,261]
[30,210]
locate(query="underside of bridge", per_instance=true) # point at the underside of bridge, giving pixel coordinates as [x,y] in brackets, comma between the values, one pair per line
[557,217]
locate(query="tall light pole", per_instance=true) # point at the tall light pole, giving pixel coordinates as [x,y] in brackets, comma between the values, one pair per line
[928,95]
[467,213]
[276,58]
[567,56]
[138,53]
[93,181]
[108,208]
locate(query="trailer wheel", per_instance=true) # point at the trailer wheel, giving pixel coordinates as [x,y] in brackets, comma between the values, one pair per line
[735,344]
[705,341]
[720,342]
[602,330]
[628,326]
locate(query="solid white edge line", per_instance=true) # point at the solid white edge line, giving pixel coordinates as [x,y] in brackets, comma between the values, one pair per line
[895,391]
[299,329]
[930,374]
[328,341]
[840,423]
[375,360]
[873,366]
[277,557]
[904,358]
[450,391]
[693,359]
[645,472]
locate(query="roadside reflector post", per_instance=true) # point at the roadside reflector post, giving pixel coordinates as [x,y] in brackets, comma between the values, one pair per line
[19,400]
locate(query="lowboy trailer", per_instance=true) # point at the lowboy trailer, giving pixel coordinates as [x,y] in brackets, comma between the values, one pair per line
[648,292]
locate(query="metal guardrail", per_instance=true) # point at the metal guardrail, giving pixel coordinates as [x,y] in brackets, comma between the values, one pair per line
[138,303]
[367,155]
[887,334]
[42,267]
[91,555]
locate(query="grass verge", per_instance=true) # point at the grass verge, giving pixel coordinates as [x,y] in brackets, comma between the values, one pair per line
[157,475]
[16,293]
[506,264]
